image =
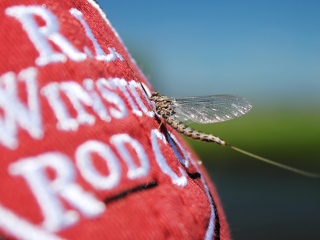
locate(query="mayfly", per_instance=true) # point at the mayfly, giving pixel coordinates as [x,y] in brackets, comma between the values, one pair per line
[178,112]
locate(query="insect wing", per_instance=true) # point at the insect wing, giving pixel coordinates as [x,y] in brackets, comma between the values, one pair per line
[210,109]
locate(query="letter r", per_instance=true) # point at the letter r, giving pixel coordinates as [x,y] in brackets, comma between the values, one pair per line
[49,192]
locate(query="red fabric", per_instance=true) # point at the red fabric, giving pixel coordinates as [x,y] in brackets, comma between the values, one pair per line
[82,155]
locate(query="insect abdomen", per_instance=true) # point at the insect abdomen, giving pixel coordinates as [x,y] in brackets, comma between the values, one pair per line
[192,133]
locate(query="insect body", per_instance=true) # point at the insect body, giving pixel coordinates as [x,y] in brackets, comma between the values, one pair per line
[210,109]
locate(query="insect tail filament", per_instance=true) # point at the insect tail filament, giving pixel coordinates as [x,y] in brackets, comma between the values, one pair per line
[291,169]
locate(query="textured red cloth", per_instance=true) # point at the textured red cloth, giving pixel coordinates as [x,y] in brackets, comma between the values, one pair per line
[82,154]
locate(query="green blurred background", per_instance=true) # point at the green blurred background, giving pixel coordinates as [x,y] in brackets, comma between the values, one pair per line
[265,51]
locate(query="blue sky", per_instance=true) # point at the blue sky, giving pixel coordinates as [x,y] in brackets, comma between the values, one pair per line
[266,51]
